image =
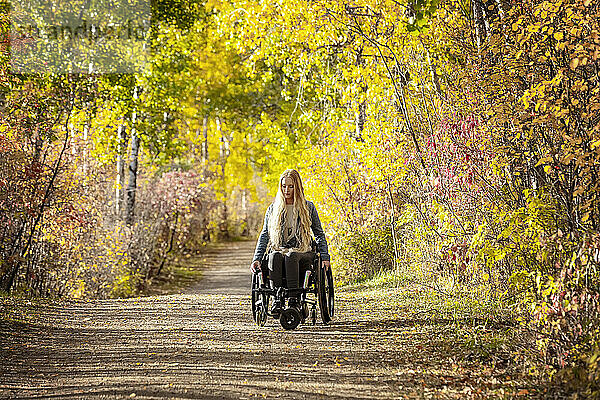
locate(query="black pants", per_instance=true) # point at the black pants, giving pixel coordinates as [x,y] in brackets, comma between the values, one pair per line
[291,265]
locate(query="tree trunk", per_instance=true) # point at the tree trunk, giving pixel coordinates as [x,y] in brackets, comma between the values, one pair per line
[246,230]
[223,155]
[133,165]
[2,101]
[360,115]
[122,150]
[478,18]
[132,183]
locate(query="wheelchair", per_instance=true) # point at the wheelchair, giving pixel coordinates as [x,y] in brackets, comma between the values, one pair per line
[317,289]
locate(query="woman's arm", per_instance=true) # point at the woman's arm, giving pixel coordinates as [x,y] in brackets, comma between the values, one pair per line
[263,238]
[319,233]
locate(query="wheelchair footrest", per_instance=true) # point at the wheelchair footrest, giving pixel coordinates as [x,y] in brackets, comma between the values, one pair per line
[270,292]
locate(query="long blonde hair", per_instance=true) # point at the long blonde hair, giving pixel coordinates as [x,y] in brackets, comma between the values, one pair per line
[278,214]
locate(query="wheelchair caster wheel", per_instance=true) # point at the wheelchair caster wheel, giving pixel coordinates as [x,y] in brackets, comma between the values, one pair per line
[261,317]
[313,316]
[290,318]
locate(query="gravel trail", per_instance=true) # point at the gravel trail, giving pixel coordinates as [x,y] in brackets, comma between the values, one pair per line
[203,344]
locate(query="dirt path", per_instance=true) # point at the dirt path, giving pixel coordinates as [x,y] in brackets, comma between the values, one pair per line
[204,344]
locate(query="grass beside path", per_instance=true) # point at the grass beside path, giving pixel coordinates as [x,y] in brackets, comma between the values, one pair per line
[182,272]
[480,349]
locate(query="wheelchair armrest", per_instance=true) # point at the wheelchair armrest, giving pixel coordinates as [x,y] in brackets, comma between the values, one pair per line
[313,245]
[316,263]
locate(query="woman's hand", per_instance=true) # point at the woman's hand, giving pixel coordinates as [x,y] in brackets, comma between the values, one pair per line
[255,266]
[326,265]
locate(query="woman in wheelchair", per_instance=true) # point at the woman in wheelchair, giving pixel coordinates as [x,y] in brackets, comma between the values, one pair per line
[286,254]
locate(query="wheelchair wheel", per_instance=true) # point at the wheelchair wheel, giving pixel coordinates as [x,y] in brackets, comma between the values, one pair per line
[254,300]
[329,275]
[290,318]
[261,317]
[325,294]
[260,303]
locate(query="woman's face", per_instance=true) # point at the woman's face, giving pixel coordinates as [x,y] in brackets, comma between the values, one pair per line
[287,187]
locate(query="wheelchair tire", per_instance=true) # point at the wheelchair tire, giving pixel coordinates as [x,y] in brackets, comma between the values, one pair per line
[290,318]
[254,297]
[260,303]
[261,317]
[330,290]
[325,294]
